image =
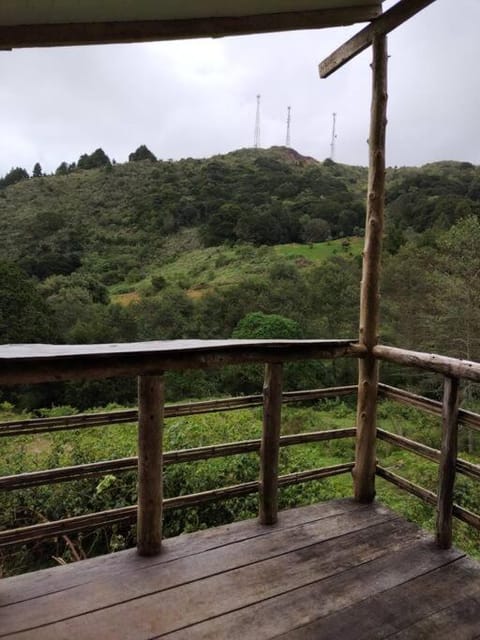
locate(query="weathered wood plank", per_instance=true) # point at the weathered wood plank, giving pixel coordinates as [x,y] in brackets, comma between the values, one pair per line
[105,592]
[278,615]
[453,367]
[448,461]
[270,447]
[388,612]
[191,603]
[381,26]
[39,583]
[44,35]
[151,401]
[21,364]
[460,621]
[365,457]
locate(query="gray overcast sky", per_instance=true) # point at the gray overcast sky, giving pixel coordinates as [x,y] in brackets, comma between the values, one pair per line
[197,98]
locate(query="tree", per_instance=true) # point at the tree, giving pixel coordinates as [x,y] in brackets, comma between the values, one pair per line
[24,316]
[37,171]
[142,153]
[62,169]
[13,176]
[95,160]
[258,325]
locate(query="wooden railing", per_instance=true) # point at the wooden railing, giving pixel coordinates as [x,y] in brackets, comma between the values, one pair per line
[453,371]
[42,363]
[148,361]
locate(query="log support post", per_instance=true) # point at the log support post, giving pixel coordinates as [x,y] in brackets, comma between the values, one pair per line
[365,458]
[448,461]
[270,446]
[151,400]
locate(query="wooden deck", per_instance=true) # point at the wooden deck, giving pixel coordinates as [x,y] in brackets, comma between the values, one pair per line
[333,570]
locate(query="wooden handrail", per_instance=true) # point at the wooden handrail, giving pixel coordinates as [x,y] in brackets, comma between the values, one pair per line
[453,367]
[22,364]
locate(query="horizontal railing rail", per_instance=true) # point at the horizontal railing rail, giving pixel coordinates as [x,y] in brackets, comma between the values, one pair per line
[121,416]
[42,363]
[96,469]
[453,370]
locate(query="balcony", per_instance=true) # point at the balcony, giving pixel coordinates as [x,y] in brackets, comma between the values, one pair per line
[338,569]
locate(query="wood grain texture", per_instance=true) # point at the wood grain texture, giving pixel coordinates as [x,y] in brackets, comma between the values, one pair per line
[182,571]
[21,364]
[48,35]
[385,614]
[448,461]
[164,611]
[381,26]
[32,585]
[365,457]
[338,570]
[270,447]
[453,367]
[151,401]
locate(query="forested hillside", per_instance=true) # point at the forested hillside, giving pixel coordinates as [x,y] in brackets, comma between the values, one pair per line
[253,244]
[151,249]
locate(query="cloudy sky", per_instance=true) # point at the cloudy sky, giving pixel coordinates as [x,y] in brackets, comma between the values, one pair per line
[197,98]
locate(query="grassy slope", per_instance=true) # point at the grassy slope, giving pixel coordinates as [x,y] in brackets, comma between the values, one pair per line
[199,270]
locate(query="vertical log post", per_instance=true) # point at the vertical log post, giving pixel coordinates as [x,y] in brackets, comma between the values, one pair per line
[269,450]
[151,402]
[365,458]
[448,461]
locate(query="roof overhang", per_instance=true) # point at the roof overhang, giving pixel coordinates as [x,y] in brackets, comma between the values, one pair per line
[43,23]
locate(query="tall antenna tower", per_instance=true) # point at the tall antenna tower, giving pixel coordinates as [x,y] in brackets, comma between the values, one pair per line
[256,138]
[334,136]
[287,140]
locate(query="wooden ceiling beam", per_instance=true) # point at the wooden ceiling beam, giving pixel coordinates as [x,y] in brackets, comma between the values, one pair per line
[388,21]
[47,35]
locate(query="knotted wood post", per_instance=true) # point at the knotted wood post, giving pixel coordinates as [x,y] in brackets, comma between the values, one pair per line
[448,461]
[365,458]
[151,400]
[270,446]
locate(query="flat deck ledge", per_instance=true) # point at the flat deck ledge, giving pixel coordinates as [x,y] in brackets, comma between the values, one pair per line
[30,363]
[331,570]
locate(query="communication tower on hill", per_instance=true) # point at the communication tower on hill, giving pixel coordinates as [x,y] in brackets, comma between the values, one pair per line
[256,138]
[287,139]
[334,137]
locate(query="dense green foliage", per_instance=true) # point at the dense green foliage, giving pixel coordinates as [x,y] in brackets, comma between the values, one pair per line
[29,506]
[254,244]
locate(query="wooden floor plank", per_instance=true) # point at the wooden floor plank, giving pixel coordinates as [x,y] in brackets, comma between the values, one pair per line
[278,615]
[383,615]
[460,621]
[105,592]
[32,585]
[191,603]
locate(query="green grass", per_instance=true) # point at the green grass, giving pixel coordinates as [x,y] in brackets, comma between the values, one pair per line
[203,269]
[320,251]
